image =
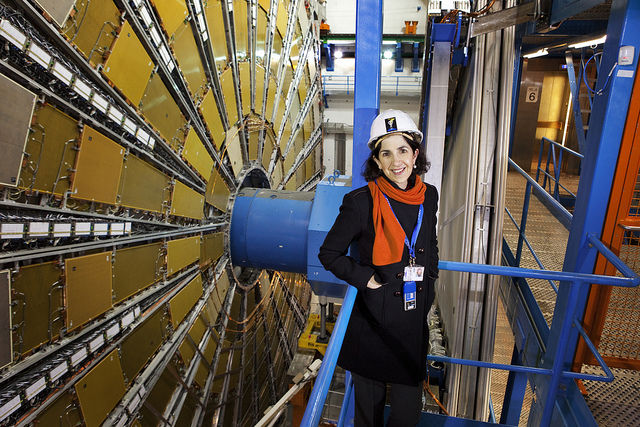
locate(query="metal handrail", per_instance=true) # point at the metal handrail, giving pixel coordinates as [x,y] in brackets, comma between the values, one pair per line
[557,165]
[318,395]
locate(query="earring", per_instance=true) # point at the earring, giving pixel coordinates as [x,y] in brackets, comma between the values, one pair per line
[414,166]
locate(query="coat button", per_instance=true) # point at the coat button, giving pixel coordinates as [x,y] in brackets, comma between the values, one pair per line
[399,276]
[396,294]
[419,288]
[420,250]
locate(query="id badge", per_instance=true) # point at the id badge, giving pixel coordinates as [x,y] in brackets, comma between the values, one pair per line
[413,273]
[409,293]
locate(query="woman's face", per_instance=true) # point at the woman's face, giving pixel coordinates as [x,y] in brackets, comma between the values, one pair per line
[396,159]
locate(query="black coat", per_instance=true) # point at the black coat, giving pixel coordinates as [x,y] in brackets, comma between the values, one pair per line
[382,341]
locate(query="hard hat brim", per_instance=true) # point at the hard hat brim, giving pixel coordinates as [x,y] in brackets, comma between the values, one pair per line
[417,137]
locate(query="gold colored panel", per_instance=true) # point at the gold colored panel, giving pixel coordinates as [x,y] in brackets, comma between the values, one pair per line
[98,168]
[311,66]
[187,348]
[197,155]
[172,13]
[228,91]
[142,186]
[187,202]
[260,75]
[138,347]
[33,308]
[277,174]
[265,5]
[300,175]
[240,25]
[277,122]
[212,118]
[261,34]
[188,411]
[63,411]
[186,51]
[92,28]
[303,89]
[267,151]
[100,389]
[253,145]
[17,116]
[210,349]
[217,193]
[160,395]
[283,15]
[50,151]
[309,165]
[58,10]
[162,112]
[291,184]
[135,268]
[221,368]
[128,66]
[276,51]
[296,44]
[222,286]
[212,248]
[245,86]
[182,303]
[201,373]
[182,252]
[307,126]
[6,345]
[234,150]
[286,134]
[215,22]
[271,98]
[87,287]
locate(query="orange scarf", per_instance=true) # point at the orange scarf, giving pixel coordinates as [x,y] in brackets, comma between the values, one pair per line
[388,245]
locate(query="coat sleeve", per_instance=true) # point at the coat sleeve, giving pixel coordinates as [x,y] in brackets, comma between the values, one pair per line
[433,262]
[333,252]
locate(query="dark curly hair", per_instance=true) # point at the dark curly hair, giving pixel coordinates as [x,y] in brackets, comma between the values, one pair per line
[371,170]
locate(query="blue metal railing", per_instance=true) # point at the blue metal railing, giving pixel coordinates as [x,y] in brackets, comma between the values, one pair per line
[630,279]
[556,161]
[396,84]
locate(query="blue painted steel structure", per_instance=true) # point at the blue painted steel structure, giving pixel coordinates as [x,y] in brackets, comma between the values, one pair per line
[399,61]
[575,93]
[601,152]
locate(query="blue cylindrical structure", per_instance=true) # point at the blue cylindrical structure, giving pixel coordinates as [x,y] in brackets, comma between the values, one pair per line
[269,229]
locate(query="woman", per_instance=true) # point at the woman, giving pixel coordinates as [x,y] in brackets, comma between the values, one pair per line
[391,223]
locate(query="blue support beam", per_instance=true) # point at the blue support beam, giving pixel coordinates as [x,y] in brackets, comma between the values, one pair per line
[575,93]
[367,81]
[399,60]
[514,393]
[415,61]
[601,154]
[328,55]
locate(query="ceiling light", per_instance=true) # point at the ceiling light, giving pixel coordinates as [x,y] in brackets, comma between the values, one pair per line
[387,54]
[338,54]
[593,42]
[541,52]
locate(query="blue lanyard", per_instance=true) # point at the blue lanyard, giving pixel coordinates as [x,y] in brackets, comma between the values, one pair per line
[414,238]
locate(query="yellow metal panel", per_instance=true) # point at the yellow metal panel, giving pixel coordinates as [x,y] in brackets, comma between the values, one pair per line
[142,186]
[283,15]
[261,34]
[182,252]
[215,21]
[296,44]
[307,126]
[228,91]
[160,395]
[240,25]
[92,28]
[135,268]
[101,389]
[31,311]
[139,346]
[276,51]
[300,175]
[197,155]
[188,57]
[265,5]
[309,165]
[50,151]
[212,248]
[267,151]
[222,286]
[17,116]
[187,348]
[277,122]
[277,174]
[201,373]
[162,112]
[172,13]
[288,161]
[98,168]
[63,408]
[217,193]
[87,287]
[271,98]
[286,134]
[234,150]
[303,88]
[245,86]
[182,303]
[311,66]
[186,202]
[128,65]
[253,145]
[291,184]
[260,75]
[212,118]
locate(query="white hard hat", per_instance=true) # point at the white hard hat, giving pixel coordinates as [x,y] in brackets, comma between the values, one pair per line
[392,121]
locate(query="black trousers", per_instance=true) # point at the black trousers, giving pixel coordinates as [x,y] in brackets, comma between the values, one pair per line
[370,397]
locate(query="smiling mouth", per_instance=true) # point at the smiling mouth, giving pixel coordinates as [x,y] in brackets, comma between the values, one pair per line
[398,171]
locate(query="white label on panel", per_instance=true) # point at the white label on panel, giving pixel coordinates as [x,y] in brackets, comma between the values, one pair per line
[9,408]
[625,73]
[35,388]
[11,231]
[101,229]
[100,102]
[129,126]
[127,227]
[12,34]
[39,55]
[78,357]
[61,230]
[136,311]
[128,319]
[113,331]
[96,343]
[117,228]
[532,93]
[82,89]
[83,229]
[62,73]
[38,229]
[115,114]
[58,371]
